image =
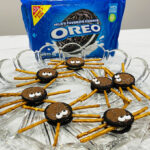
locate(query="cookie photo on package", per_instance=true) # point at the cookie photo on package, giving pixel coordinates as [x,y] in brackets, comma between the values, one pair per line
[72,26]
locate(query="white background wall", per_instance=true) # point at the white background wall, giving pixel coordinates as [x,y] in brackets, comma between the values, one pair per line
[136,16]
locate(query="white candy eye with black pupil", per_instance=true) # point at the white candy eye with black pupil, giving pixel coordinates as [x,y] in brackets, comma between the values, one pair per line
[78,62]
[72,62]
[64,112]
[31,95]
[117,76]
[44,73]
[97,82]
[59,115]
[118,80]
[38,94]
[49,74]
[121,119]
[127,117]
[94,80]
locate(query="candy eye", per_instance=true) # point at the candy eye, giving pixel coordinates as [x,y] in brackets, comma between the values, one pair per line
[64,112]
[127,117]
[121,119]
[94,80]
[44,73]
[118,80]
[117,76]
[38,94]
[97,82]
[59,115]
[72,62]
[78,62]
[49,74]
[32,95]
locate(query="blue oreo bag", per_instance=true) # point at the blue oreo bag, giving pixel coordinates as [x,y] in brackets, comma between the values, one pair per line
[72,26]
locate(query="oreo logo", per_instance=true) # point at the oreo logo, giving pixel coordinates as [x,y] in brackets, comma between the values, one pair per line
[63,33]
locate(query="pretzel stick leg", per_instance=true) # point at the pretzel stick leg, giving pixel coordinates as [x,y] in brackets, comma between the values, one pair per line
[11,103]
[33,108]
[60,63]
[27,83]
[89,67]
[12,108]
[89,95]
[121,96]
[9,94]
[82,78]
[78,100]
[94,74]
[134,94]
[24,78]
[141,92]
[53,60]
[96,59]
[92,130]
[49,101]
[52,63]
[140,111]
[23,71]
[107,100]
[85,107]
[59,92]
[142,116]
[32,126]
[123,68]
[97,134]
[86,115]
[51,82]
[64,72]
[57,134]
[111,74]
[88,120]
[94,63]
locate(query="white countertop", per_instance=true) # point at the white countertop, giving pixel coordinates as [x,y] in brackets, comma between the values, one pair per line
[135,43]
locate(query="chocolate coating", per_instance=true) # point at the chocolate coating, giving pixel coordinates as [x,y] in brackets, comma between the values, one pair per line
[118,117]
[46,75]
[58,112]
[123,80]
[34,96]
[75,63]
[79,15]
[101,83]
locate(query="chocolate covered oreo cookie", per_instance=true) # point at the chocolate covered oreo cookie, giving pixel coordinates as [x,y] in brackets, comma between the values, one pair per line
[120,118]
[123,80]
[101,84]
[46,75]
[73,44]
[75,63]
[34,96]
[58,112]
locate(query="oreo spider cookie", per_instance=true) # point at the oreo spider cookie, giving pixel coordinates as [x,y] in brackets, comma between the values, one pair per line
[46,75]
[58,112]
[101,84]
[34,96]
[75,63]
[79,41]
[120,118]
[123,80]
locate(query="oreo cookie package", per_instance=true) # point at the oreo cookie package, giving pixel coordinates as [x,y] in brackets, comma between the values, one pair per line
[72,27]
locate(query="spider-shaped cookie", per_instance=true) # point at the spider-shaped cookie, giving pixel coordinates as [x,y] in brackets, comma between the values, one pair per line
[126,81]
[103,85]
[59,113]
[43,76]
[77,63]
[115,120]
[33,96]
